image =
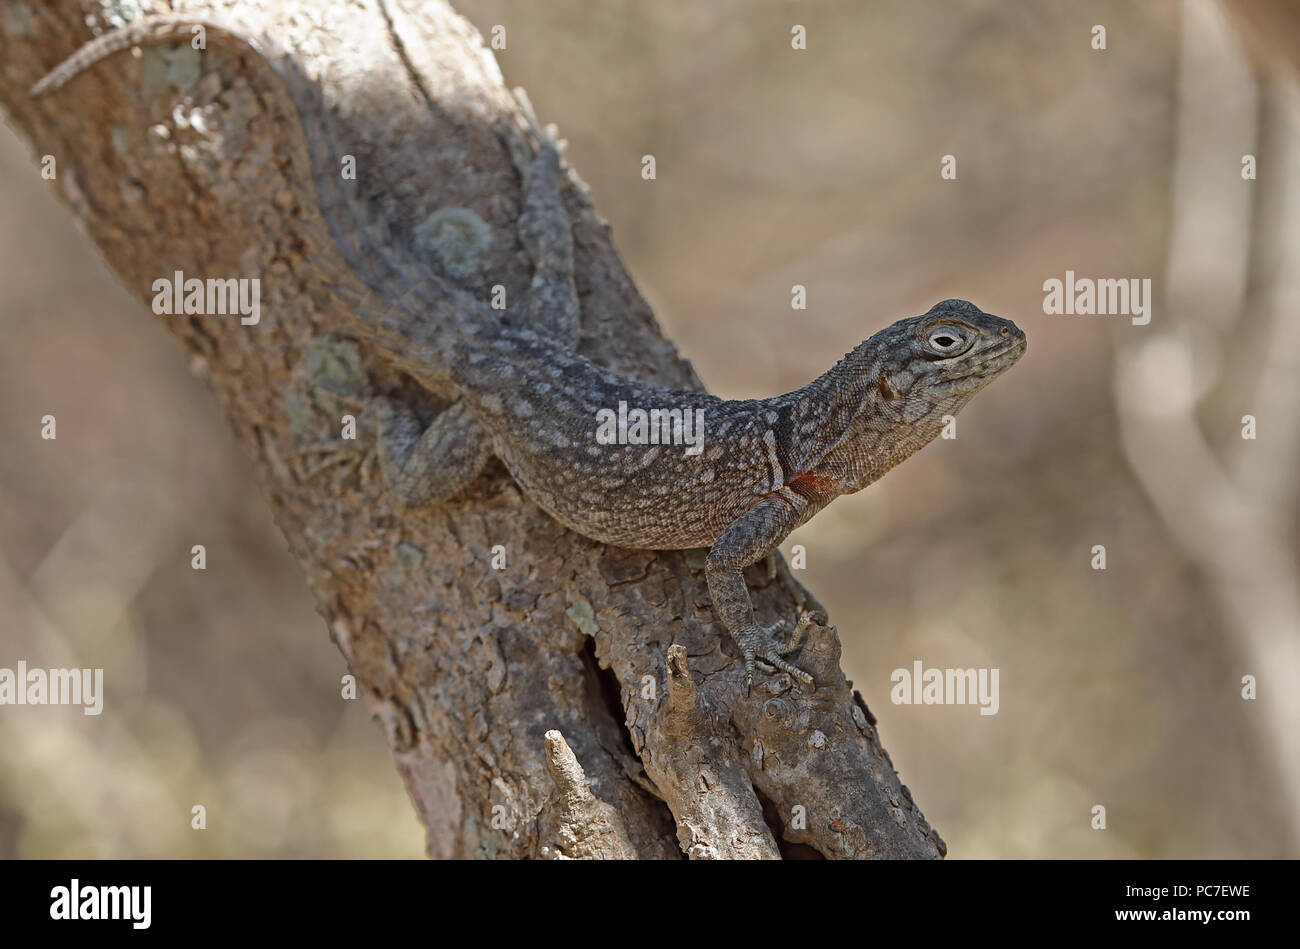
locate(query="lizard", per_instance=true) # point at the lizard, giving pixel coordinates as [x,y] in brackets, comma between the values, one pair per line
[525,395]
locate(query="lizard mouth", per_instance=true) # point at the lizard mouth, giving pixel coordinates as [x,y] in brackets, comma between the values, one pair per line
[995,360]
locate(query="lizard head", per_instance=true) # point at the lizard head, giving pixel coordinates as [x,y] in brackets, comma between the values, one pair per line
[913,375]
[936,362]
[899,387]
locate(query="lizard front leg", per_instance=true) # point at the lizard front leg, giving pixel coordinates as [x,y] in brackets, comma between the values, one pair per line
[744,541]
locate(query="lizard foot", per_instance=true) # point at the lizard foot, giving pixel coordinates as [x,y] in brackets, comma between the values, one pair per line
[527,139]
[311,461]
[760,642]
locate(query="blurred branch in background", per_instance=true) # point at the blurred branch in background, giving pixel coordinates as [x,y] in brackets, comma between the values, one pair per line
[1271,28]
[1233,510]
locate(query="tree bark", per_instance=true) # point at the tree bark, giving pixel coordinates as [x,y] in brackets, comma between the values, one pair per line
[581,701]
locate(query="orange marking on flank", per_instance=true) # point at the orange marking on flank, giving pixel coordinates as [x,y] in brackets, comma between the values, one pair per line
[811,485]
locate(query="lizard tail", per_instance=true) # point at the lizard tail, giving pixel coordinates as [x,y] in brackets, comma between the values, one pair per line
[158,28]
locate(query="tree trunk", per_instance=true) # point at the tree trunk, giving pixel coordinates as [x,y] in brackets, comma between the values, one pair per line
[579,700]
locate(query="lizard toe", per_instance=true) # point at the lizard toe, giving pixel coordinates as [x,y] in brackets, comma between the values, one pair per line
[761,642]
[787,667]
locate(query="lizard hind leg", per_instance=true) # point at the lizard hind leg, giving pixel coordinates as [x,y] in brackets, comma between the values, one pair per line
[551,306]
[421,468]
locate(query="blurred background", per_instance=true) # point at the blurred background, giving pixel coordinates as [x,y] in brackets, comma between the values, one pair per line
[821,167]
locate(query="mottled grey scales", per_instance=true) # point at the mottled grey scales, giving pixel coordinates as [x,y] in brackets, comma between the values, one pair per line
[527,397]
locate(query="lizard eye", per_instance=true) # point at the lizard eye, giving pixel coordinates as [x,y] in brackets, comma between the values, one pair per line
[945,341]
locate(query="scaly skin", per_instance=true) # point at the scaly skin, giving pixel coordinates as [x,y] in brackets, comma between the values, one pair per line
[766,465]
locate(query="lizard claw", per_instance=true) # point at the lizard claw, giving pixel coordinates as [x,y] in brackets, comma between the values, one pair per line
[311,461]
[760,642]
